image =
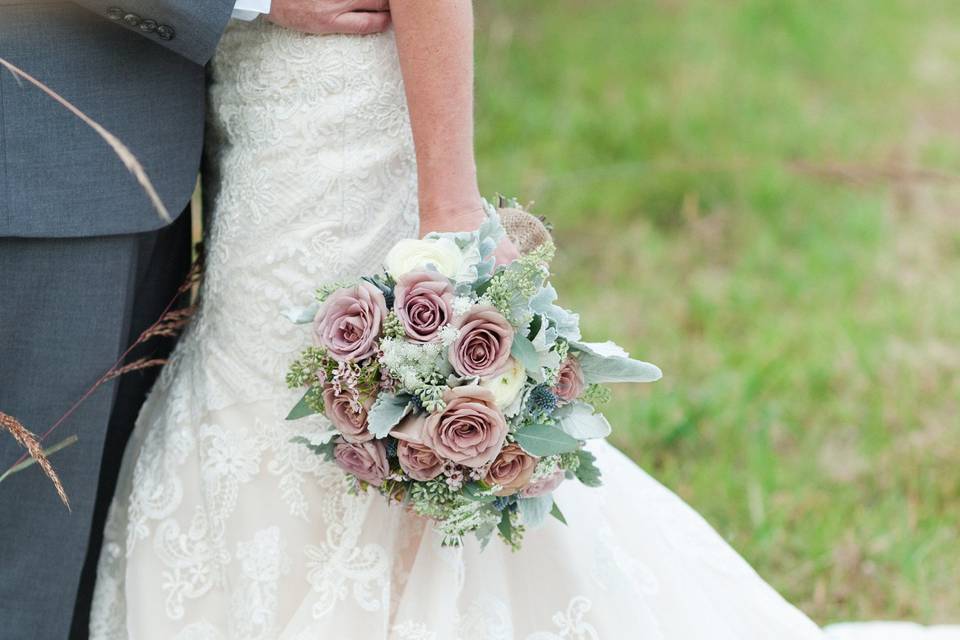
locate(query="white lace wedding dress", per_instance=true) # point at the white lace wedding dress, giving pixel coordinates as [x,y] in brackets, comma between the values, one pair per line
[223,529]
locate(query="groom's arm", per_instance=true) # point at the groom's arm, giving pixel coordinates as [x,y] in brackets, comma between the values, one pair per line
[190,28]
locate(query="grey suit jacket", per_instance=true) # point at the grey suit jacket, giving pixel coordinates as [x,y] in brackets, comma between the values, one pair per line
[135,66]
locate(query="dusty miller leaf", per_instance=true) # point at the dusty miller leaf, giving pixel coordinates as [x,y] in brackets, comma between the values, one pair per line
[386,413]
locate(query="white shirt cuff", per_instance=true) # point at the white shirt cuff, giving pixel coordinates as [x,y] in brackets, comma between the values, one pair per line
[250,9]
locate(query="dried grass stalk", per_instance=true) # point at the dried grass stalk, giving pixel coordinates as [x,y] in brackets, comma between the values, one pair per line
[126,156]
[136,365]
[170,323]
[29,441]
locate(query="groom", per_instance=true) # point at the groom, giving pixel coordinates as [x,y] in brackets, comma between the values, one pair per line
[85,262]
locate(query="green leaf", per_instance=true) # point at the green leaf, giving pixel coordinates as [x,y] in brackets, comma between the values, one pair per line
[483,287]
[387,412]
[301,315]
[506,527]
[534,510]
[525,353]
[303,408]
[587,472]
[535,326]
[484,534]
[580,421]
[606,362]
[616,369]
[323,446]
[556,513]
[566,322]
[543,440]
[385,285]
[29,462]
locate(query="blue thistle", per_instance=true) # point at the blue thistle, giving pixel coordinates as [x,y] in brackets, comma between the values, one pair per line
[542,400]
[391,446]
[417,403]
[501,503]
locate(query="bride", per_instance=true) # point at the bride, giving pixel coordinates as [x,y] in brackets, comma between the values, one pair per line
[326,151]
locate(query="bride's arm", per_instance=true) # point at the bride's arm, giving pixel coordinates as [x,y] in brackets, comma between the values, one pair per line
[435,43]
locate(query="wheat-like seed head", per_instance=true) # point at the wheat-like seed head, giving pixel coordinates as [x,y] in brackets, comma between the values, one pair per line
[29,441]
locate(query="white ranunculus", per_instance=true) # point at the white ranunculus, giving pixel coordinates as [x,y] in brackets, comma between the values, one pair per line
[508,385]
[408,255]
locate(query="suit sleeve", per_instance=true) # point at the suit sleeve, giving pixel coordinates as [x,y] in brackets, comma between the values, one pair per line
[190,28]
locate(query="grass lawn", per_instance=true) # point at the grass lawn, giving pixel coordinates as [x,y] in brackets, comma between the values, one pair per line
[762,197]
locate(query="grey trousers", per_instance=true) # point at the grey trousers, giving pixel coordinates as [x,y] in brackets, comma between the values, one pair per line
[68,308]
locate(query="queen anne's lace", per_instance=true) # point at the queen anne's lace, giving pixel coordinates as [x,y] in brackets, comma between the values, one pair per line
[223,529]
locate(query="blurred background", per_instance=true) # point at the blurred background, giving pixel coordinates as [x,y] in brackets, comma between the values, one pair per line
[762,197]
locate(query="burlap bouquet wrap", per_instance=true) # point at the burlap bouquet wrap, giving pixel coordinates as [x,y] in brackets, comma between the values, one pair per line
[525,229]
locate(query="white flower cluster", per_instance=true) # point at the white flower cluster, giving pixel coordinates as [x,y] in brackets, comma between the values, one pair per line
[413,365]
[462,304]
[448,335]
[467,517]
[545,468]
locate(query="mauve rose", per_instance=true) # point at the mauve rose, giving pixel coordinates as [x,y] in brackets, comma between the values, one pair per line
[483,346]
[570,382]
[470,431]
[351,424]
[418,461]
[424,304]
[511,470]
[349,322]
[543,486]
[366,460]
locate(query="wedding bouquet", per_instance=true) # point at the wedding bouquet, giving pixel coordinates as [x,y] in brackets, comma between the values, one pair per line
[456,386]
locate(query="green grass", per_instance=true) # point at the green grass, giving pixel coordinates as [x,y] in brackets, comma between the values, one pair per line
[761,196]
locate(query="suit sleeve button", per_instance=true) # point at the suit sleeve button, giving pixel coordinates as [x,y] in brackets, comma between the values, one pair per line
[148,26]
[166,32]
[132,20]
[116,14]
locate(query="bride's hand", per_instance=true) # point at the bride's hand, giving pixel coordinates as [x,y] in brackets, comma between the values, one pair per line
[463,218]
[354,17]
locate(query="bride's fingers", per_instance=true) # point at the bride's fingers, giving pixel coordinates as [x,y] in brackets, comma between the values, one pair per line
[370,5]
[362,22]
